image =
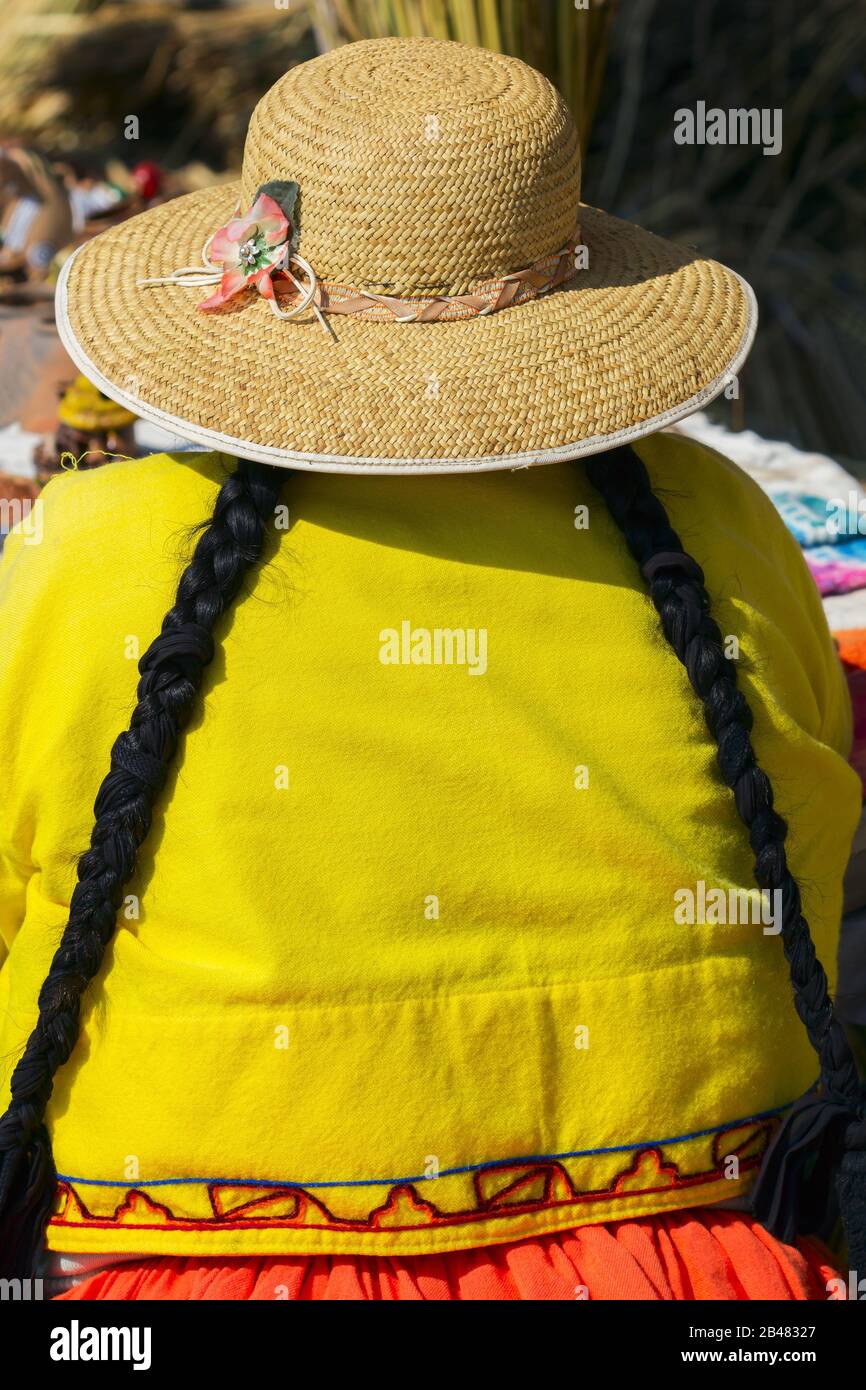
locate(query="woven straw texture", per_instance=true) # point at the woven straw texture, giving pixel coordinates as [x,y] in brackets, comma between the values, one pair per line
[425,168]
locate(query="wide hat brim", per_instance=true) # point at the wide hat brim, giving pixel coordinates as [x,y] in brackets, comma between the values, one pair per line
[649,333]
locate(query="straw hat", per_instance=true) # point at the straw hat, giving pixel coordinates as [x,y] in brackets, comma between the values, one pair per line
[413,179]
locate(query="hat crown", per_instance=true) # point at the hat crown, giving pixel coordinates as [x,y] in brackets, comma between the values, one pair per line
[425,167]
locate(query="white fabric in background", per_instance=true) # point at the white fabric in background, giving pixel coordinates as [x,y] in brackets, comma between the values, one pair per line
[772,463]
[16,451]
[21,219]
[777,466]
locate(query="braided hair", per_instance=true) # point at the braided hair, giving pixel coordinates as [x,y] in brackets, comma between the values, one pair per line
[171,670]
[825,1133]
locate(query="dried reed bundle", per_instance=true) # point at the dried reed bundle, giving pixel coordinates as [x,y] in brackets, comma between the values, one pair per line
[72,70]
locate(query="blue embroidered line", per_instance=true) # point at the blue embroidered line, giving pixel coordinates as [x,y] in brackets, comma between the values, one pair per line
[425,1177]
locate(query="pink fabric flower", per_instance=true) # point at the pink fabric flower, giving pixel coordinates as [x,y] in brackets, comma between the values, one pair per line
[250,248]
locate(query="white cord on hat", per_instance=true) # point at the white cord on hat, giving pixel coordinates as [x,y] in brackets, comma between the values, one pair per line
[199,277]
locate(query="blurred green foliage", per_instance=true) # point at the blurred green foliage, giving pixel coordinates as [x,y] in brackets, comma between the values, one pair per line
[792,224]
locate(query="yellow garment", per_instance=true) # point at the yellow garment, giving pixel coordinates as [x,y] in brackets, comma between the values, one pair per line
[379,921]
[84,407]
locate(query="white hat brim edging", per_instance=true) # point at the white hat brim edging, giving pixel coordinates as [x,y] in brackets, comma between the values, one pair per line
[336,463]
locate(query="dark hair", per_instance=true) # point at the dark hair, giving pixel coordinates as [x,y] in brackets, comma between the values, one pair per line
[824,1132]
[171,676]
[824,1135]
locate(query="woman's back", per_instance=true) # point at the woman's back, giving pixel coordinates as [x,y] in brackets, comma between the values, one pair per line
[429,925]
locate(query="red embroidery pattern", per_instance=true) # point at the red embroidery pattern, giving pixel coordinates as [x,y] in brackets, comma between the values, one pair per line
[499,1190]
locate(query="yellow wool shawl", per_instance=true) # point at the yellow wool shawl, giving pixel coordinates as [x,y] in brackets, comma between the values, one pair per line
[401,970]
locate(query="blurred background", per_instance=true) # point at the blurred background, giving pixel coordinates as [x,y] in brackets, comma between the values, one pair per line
[72,72]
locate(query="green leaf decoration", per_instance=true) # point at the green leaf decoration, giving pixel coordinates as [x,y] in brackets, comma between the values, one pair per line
[285,193]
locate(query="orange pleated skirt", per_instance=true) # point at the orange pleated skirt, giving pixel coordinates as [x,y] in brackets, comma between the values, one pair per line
[686,1255]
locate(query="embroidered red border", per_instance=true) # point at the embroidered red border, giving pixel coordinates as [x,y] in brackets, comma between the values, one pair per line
[549,1184]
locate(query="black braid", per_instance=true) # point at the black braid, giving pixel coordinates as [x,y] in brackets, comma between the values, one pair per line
[676,585]
[171,675]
